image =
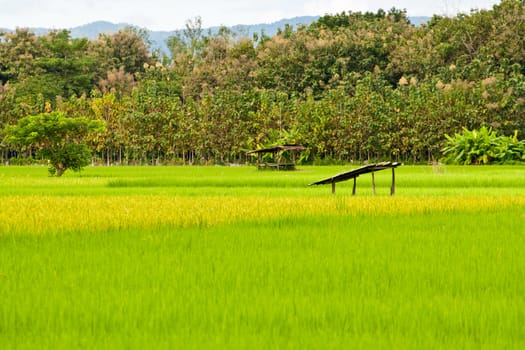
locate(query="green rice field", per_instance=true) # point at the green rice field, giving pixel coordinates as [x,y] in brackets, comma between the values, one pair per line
[235,258]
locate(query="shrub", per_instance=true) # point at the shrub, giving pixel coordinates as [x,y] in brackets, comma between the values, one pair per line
[483,146]
[510,149]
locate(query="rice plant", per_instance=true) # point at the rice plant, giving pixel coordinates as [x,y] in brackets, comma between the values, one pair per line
[88,264]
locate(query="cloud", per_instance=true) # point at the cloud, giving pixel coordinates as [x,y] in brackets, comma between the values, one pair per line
[321,7]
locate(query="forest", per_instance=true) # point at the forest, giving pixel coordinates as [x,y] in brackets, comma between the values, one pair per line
[351,87]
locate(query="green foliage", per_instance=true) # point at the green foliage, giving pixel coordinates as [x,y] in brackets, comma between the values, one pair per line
[483,146]
[510,149]
[70,156]
[55,137]
[350,87]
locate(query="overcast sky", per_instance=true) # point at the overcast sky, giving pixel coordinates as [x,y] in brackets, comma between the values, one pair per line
[172,14]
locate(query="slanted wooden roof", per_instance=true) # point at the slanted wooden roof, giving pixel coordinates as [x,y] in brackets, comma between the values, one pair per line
[278,148]
[352,174]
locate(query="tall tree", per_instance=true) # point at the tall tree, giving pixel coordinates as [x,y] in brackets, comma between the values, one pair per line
[18,51]
[127,49]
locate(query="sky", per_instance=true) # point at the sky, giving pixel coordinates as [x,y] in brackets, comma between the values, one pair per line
[172,14]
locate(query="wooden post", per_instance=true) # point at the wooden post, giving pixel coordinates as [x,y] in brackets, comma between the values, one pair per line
[333,187]
[393,188]
[373,184]
[353,189]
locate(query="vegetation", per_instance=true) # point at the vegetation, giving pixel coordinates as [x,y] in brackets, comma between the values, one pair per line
[56,138]
[483,146]
[351,87]
[207,257]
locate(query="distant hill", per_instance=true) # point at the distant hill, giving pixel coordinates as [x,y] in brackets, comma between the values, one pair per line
[158,38]
[92,30]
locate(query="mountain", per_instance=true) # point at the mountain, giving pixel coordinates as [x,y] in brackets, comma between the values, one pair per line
[243,30]
[92,30]
[158,38]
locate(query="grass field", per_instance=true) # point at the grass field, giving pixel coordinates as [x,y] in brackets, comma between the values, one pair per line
[229,257]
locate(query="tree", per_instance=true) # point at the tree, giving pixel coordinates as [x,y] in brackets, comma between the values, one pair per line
[194,35]
[66,70]
[18,51]
[55,137]
[127,49]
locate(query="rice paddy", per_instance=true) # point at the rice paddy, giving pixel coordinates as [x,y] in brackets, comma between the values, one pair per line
[229,257]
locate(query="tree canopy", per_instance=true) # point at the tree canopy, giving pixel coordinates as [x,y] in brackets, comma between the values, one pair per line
[351,87]
[56,138]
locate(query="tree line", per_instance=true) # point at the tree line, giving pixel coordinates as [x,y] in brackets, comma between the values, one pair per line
[350,87]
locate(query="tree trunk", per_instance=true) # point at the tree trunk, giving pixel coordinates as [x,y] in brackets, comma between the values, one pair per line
[60,169]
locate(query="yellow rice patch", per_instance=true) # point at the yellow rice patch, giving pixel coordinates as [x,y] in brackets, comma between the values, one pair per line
[52,214]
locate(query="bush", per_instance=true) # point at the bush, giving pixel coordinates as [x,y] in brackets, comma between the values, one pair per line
[483,146]
[510,149]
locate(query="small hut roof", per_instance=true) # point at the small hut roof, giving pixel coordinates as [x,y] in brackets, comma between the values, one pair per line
[278,148]
[356,172]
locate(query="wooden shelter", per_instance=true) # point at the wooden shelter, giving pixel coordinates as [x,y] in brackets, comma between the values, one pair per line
[277,162]
[353,174]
